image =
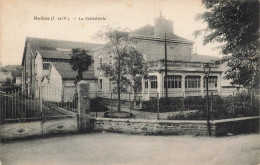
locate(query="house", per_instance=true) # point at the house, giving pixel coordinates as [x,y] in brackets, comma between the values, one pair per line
[186,75]
[5,75]
[60,83]
[39,54]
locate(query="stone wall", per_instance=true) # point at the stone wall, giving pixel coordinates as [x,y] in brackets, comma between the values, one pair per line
[236,126]
[178,127]
[162,127]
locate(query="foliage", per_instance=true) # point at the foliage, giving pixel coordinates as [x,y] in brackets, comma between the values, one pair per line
[80,61]
[128,66]
[223,107]
[235,24]
[96,106]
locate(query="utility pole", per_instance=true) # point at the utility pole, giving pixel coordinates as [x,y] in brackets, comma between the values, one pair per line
[165,64]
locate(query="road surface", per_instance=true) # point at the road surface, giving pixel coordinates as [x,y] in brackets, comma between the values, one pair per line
[122,149]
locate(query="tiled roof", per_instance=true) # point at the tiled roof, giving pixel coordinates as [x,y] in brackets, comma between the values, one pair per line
[148,30]
[55,54]
[67,73]
[50,48]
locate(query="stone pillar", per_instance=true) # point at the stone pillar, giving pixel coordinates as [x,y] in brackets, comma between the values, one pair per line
[83,106]
[201,85]
[143,88]
[149,88]
[183,84]
[159,84]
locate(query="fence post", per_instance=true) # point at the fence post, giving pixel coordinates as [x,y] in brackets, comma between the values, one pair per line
[233,101]
[158,108]
[129,104]
[111,104]
[211,105]
[83,106]
[41,97]
[183,102]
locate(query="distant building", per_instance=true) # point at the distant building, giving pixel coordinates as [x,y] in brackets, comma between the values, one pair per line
[4,75]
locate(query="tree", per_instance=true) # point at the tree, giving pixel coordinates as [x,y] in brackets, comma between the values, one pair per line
[124,69]
[80,61]
[136,70]
[235,24]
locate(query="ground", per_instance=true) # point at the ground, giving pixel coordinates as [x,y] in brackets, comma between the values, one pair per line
[118,149]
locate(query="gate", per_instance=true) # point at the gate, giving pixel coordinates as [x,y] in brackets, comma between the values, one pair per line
[22,114]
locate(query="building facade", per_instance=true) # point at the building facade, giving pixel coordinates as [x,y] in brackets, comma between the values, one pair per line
[40,54]
[185,70]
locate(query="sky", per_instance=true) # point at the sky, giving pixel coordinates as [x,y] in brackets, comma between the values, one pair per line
[17,21]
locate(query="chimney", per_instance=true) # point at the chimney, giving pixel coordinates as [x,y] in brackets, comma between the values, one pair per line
[162,26]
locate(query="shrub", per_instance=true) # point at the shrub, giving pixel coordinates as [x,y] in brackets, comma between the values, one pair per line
[95,105]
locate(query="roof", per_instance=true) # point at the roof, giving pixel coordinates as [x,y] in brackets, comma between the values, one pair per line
[148,30]
[50,48]
[204,58]
[66,72]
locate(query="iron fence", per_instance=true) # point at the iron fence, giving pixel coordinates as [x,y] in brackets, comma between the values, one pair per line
[180,107]
[47,104]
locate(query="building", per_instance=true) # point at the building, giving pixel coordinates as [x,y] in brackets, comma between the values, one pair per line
[185,70]
[5,75]
[38,56]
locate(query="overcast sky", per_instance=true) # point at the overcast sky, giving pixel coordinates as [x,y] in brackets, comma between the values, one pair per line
[17,21]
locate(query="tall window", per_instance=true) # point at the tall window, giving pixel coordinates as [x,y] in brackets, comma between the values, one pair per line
[213,82]
[100,83]
[100,61]
[192,82]
[153,81]
[110,59]
[46,66]
[145,83]
[173,82]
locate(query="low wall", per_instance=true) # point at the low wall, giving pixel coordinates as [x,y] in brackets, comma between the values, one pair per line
[37,128]
[178,127]
[236,126]
[164,127]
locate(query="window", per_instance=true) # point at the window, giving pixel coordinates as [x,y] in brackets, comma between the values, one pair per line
[173,82]
[153,81]
[35,69]
[192,82]
[100,83]
[213,82]
[100,61]
[46,66]
[145,83]
[110,59]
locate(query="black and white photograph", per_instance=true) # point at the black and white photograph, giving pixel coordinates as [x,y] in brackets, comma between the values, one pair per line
[129,82]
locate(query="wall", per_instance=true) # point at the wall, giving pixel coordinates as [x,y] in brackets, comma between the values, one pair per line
[53,91]
[37,128]
[236,126]
[163,127]
[154,50]
[178,127]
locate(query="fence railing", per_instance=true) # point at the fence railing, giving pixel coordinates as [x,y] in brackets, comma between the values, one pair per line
[177,108]
[49,103]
